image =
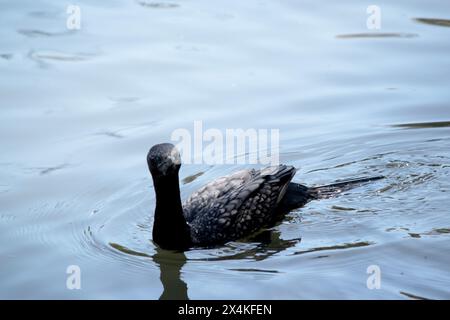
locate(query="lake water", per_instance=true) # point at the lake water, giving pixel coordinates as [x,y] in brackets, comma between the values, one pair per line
[80,109]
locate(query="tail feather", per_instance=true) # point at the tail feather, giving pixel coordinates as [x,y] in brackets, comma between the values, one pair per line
[298,195]
[330,190]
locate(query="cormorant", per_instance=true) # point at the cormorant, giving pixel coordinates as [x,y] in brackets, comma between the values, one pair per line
[228,208]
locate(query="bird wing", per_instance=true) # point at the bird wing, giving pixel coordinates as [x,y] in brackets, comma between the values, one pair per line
[243,208]
[208,194]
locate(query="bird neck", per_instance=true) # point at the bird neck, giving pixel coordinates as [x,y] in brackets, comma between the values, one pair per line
[170,230]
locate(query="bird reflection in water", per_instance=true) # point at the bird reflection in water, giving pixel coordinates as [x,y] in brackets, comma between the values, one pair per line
[170,264]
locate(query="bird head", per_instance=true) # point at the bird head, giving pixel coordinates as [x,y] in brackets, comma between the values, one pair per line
[163,159]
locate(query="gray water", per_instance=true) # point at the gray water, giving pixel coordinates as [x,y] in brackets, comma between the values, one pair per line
[80,109]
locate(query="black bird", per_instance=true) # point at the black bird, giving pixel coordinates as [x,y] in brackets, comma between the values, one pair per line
[228,208]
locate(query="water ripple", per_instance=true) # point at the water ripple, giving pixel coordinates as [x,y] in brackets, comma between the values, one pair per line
[377,35]
[157,5]
[34,33]
[434,22]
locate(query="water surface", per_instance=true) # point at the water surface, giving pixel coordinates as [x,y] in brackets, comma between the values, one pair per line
[79,110]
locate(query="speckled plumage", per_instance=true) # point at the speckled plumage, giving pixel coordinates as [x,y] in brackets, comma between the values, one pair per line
[237,205]
[228,208]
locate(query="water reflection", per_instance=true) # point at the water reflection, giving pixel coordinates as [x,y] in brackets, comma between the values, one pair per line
[33,33]
[267,243]
[157,5]
[6,56]
[114,91]
[336,247]
[413,296]
[423,125]
[376,35]
[434,22]
[43,58]
[170,264]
